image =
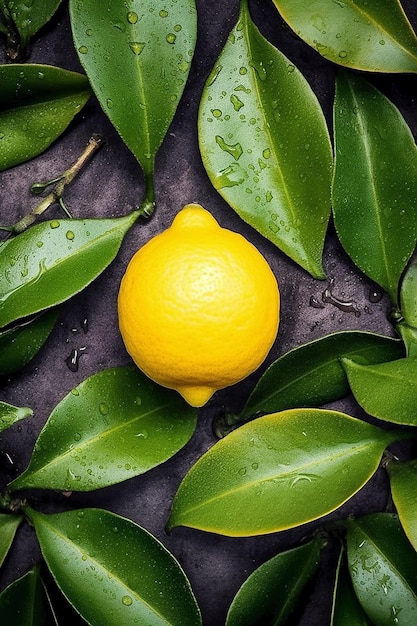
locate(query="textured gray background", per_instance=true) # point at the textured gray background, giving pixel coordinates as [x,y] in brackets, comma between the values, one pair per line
[112,185]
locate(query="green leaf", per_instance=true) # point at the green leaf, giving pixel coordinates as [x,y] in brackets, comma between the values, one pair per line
[272,591]
[403,477]
[386,390]
[265,144]
[19,344]
[10,414]
[308,461]
[114,425]
[37,103]
[25,603]
[407,326]
[113,571]
[375,182]
[311,374]
[346,610]
[370,36]
[24,18]
[9,523]
[383,567]
[54,260]
[137,60]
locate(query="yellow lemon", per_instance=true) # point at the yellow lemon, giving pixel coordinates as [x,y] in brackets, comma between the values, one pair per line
[198,306]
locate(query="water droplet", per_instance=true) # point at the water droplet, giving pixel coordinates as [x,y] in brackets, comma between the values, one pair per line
[382,42]
[54,224]
[268,196]
[127,600]
[315,303]
[290,68]
[136,47]
[178,28]
[171,38]
[236,102]
[342,305]
[163,13]
[142,435]
[73,359]
[216,113]
[77,436]
[70,235]
[39,244]
[230,176]
[266,153]
[103,408]
[259,69]
[89,32]
[214,74]
[242,471]
[235,150]
[83,49]
[343,54]
[119,26]
[109,103]
[41,75]
[375,296]
[255,466]
[132,17]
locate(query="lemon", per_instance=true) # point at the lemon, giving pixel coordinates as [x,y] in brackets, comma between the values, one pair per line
[198,306]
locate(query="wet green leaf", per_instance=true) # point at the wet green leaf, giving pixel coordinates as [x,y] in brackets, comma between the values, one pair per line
[386,390]
[114,425]
[408,307]
[9,523]
[54,260]
[272,591]
[10,414]
[23,19]
[19,344]
[370,36]
[25,603]
[311,374]
[113,571]
[375,182]
[265,144]
[137,59]
[403,477]
[37,103]
[346,610]
[383,567]
[308,461]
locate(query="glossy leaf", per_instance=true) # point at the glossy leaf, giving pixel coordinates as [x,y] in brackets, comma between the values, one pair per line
[37,103]
[311,374]
[19,344]
[137,59]
[265,144]
[113,571]
[386,390]
[9,523]
[272,591]
[114,425]
[11,414]
[383,567]
[25,603]
[370,36]
[54,260]
[375,182]
[407,326]
[307,461]
[403,478]
[24,18]
[346,610]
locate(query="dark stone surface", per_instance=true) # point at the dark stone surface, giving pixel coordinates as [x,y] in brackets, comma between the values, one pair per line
[112,185]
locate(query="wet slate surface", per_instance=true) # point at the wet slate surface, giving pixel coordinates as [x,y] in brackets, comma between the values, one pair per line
[112,185]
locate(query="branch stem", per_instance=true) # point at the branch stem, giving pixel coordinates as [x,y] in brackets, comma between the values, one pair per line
[55,196]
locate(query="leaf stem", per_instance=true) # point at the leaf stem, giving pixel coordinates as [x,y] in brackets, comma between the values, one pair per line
[147,207]
[55,196]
